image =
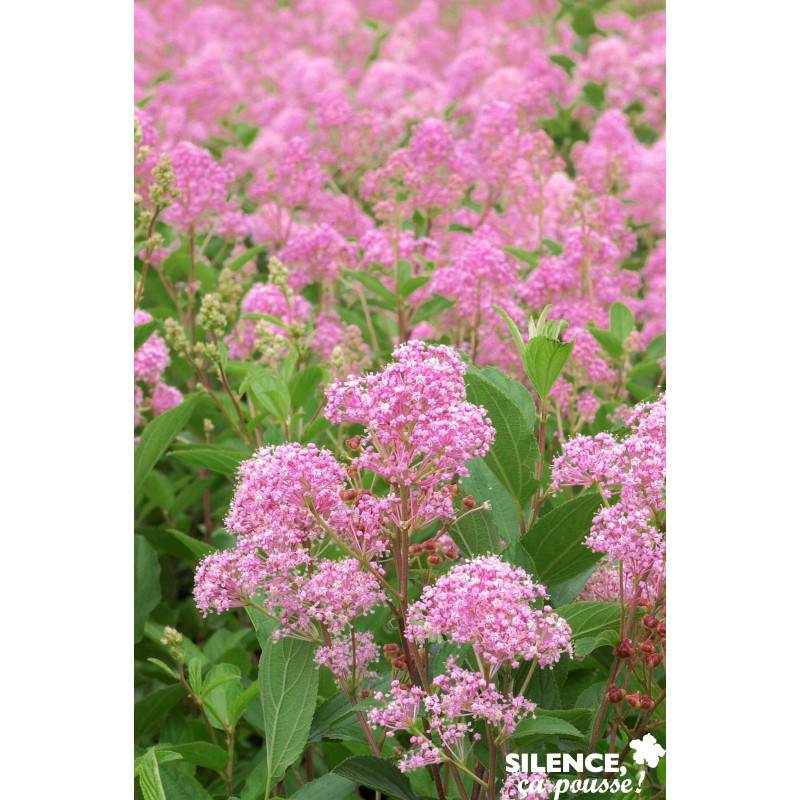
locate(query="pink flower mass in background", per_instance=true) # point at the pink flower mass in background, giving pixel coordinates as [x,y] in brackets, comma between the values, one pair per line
[399,410]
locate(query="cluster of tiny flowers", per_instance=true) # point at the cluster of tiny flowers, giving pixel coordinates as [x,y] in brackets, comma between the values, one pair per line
[149,363]
[536,786]
[632,470]
[277,488]
[349,663]
[421,428]
[458,697]
[491,605]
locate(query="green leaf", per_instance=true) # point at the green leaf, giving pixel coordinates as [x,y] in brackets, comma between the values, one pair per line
[153,707]
[146,584]
[210,456]
[565,62]
[141,333]
[485,486]
[594,94]
[194,547]
[457,227]
[530,257]
[476,534]
[269,392]
[514,331]
[583,22]
[620,321]
[407,288]
[150,777]
[220,690]
[326,787]
[305,383]
[555,542]
[590,618]
[430,308]
[240,704]
[179,785]
[158,488]
[377,774]
[157,436]
[241,260]
[288,681]
[514,451]
[544,360]
[607,340]
[204,754]
[539,729]
[372,283]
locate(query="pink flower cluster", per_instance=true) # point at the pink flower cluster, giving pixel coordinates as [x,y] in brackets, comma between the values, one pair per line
[149,363]
[457,698]
[492,606]
[537,786]
[632,470]
[421,429]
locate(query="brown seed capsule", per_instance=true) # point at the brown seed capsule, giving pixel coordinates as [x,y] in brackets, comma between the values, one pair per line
[352,471]
[653,660]
[615,694]
[646,704]
[649,621]
[397,751]
[430,545]
[399,662]
[354,443]
[662,628]
[469,502]
[415,549]
[434,560]
[634,699]
[453,489]
[365,694]
[450,553]
[348,495]
[647,647]
[390,649]
[624,649]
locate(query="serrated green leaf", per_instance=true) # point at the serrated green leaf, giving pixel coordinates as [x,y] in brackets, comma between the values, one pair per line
[146,584]
[407,288]
[539,729]
[544,359]
[305,383]
[514,451]
[590,618]
[607,340]
[204,754]
[373,283]
[179,785]
[476,534]
[377,774]
[157,436]
[326,787]
[430,308]
[485,486]
[556,541]
[288,680]
[150,777]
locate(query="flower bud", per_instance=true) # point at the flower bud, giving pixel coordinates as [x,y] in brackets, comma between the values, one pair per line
[647,704]
[450,553]
[615,695]
[429,545]
[635,699]
[399,663]
[624,649]
[434,560]
[354,443]
[469,502]
[365,694]
[397,751]
[453,489]
[653,660]
[415,549]
[649,621]
[352,471]
[647,647]
[348,495]
[662,629]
